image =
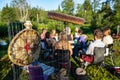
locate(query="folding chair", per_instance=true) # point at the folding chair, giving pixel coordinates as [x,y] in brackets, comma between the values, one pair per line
[99,54]
[97,58]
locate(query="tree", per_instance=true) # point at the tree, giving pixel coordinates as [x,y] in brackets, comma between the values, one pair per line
[87,5]
[108,15]
[67,6]
[8,14]
[95,15]
[22,8]
[87,10]
[80,10]
[59,9]
[116,5]
[0,16]
[33,14]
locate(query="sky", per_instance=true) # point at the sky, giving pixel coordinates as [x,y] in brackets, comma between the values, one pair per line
[44,4]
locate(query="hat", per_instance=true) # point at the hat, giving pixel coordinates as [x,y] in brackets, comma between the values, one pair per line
[80,71]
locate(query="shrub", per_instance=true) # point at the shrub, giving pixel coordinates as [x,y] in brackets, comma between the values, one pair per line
[3,30]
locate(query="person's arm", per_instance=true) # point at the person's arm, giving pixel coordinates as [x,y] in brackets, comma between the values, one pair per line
[56,45]
[105,40]
[70,48]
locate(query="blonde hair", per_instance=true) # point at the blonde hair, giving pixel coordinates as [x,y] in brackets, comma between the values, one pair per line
[63,36]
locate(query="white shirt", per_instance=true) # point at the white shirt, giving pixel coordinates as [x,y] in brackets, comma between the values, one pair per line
[108,40]
[77,35]
[96,43]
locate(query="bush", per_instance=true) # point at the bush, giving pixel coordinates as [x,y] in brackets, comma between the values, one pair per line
[3,30]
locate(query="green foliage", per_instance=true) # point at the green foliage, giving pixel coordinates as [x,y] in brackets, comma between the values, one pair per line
[67,6]
[33,14]
[3,30]
[85,11]
[95,15]
[80,10]
[8,14]
[116,49]
[59,9]
[108,16]
[117,10]
[102,74]
[21,8]
[87,5]
[38,15]
[5,68]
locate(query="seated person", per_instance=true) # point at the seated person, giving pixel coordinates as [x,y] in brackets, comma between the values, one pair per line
[49,41]
[80,43]
[54,35]
[98,35]
[49,46]
[67,30]
[107,39]
[63,43]
[43,39]
[77,33]
[82,40]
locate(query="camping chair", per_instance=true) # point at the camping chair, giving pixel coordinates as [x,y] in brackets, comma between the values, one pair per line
[63,58]
[97,58]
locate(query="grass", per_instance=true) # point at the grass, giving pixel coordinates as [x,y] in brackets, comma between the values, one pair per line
[6,71]
[116,48]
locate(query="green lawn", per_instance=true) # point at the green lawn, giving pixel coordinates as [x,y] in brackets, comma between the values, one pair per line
[103,73]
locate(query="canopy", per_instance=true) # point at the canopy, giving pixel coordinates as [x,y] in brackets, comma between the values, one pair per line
[66,18]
